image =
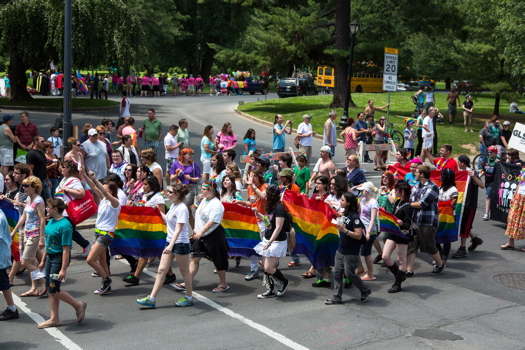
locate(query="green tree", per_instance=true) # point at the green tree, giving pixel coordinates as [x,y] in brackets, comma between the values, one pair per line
[32,33]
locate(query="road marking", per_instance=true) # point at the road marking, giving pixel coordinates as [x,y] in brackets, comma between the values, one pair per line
[257,326]
[54,332]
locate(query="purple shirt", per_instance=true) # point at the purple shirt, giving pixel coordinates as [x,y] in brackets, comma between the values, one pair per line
[192,170]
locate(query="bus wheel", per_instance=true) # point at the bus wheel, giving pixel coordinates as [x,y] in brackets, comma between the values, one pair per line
[359,89]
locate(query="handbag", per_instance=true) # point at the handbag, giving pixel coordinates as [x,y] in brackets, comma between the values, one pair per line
[81,209]
[296,142]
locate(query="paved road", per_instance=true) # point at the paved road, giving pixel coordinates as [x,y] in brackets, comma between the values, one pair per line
[464,308]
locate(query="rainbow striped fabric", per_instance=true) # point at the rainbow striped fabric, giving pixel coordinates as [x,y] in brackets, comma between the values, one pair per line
[12,215]
[447,228]
[388,223]
[241,229]
[316,236]
[140,231]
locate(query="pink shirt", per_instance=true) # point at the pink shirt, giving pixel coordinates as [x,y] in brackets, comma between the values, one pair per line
[120,80]
[212,81]
[227,140]
[198,81]
[128,80]
[145,81]
[191,81]
[155,81]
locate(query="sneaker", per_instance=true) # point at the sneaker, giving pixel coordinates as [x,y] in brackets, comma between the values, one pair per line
[179,287]
[377,259]
[282,288]
[266,295]
[106,284]
[252,275]
[95,274]
[131,280]
[348,284]
[184,301]
[437,270]
[369,161]
[409,274]
[85,251]
[102,292]
[461,253]
[9,315]
[332,302]
[169,279]
[486,217]
[146,302]
[474,244]
[294,264]
[321,283]
[365,295]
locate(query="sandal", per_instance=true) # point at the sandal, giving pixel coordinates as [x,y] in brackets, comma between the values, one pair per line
[81,313]
[43,293]
[368,278]
[220,289]
[507,247]
[308,274]
[48,324]
[361,272]
[118,257]
[29,294]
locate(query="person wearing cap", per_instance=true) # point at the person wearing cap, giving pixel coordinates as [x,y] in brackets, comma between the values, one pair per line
[285,181]
[368,215]
[263,164]
[306,135]
[469,210]
[324,166]
[410,137]
[504,138]
[489,170]
[424,200]
[279,132]
[410,177]
[95,155]
[7,139]
[453,102]
[330,136]
[445,160]
[468,107]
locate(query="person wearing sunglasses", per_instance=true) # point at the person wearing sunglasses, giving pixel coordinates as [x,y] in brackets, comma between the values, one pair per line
[74,154]
[129,152]
[187,172]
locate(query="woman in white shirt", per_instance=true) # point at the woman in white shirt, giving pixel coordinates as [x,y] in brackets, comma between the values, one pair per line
[177,246]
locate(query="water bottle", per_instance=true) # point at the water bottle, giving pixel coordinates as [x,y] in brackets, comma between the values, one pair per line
[54,277]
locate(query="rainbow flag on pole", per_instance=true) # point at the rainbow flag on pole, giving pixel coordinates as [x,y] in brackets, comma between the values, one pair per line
[12,215]
[140,231]
[317,237]
[241,229]
[388,223]
[447,227]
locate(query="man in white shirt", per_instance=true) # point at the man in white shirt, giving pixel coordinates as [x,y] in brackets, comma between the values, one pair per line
[173,147]
[428,133]
[306,136]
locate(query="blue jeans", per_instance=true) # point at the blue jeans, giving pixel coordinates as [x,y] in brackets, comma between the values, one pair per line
[482,159]
[346,264]
[53,266]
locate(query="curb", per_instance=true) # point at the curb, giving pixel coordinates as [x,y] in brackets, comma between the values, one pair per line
[57,109]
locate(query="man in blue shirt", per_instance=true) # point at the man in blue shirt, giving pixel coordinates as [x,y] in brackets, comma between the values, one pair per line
[362,129]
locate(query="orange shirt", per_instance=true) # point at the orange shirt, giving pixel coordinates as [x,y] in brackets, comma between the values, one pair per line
[254,201]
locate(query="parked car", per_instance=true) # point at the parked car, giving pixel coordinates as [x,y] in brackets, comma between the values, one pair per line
[412,85]
[288,87]
[464,85]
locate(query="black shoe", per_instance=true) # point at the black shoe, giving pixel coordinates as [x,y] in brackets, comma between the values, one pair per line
[169,279]
[237,261]
[409,274]
[395,288]
[461,253]
[20,272]
[378,259]
[133,268]
[321,283]
[364,295]
[283,287]
[268,294]
[332,302]
[369,161]
[106,284]
[131,280]
[9,315]
[437,270]
[474,244]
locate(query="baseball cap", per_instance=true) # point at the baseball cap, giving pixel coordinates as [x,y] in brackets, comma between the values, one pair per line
[306,116]
[506,122]
[326,149]
[464,159]
[8,117]
[92,132]
[263,159]
[286,172]
[273,189]
[367,186]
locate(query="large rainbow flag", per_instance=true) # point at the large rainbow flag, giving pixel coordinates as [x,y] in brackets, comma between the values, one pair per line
[140,231]
[317,237]
[241,229]
[447,227]
[388,223]
[12,215]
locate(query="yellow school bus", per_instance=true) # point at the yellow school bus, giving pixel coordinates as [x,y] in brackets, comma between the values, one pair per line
[361,82]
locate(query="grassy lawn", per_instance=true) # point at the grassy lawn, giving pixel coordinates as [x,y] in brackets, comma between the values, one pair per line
[77,103]
[401,106]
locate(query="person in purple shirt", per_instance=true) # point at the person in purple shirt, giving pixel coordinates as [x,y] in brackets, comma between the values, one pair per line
[187,172]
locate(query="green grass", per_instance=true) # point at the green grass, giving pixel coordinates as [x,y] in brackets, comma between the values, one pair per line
[77,103]
[401,106]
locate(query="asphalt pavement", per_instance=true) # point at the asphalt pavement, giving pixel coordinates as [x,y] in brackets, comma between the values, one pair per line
[477,303]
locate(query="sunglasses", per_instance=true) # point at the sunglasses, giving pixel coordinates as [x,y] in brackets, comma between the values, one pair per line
[127,169]
[102,133]
[77,144]
[25,185]
[170,192]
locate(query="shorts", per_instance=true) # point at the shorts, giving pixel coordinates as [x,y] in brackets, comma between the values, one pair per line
[488,192]
[53,266]
[145,87]
[366,249]
[155,88]
[452,110]
[4,280]
[169,163]
[103,240]
[191,88]
[6,157]
[350,152]
[466,222]
[426,239]
[190,197]
[213,246]
[180,248]
[206,165]
[31,246]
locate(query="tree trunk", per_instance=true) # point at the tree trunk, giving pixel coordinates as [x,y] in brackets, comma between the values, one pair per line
[342,42]
[496,103]
[17,72]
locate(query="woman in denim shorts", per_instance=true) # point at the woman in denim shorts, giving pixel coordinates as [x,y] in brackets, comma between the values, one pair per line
[177,246]
[59,238]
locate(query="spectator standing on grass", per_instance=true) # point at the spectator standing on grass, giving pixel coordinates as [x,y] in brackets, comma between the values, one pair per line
[453,102]
[330,132]
[468,107]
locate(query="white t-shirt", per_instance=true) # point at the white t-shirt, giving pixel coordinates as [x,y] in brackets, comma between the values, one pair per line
[71,183]
[57,145]
[171,141]
[209,210]
[2,183]
[428,122]
[153,201]
[178,214]
[305,129]
[107,216]
[122,198]
[366,212]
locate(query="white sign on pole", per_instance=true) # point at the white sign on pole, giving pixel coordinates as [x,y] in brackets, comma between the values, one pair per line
[390,69]
[517,140]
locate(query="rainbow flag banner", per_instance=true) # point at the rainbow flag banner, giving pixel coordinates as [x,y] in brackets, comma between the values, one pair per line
[447,229]
[12,215]
[241,229]
[140,231]
[317,237]
[388,223]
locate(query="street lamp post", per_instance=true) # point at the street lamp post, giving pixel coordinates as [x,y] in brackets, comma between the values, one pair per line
[354,28]
[198,58]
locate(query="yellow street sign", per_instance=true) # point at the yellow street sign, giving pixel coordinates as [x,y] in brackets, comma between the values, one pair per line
[391,51]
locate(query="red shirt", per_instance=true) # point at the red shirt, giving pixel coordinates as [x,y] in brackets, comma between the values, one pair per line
[26,133]
[449,163]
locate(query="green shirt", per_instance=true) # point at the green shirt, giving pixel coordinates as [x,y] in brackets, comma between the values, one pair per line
[58,233]
[184,137]
[152,129]
[301,177]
